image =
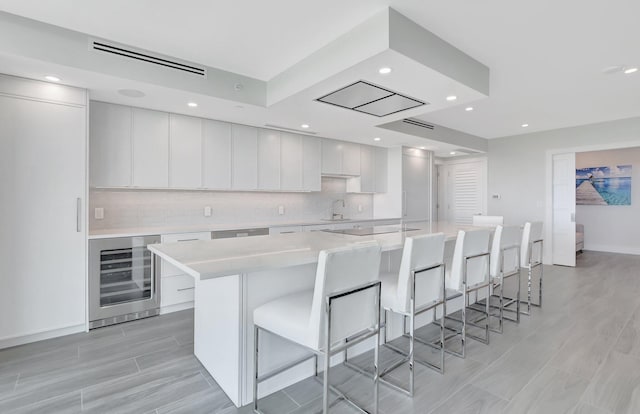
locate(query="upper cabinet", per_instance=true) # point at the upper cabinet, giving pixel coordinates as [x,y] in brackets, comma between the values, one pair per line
[216,155]
[340,158]
[268,159]
[373,171]
[110,150]
[311,164]
[185,152]
[150,137]
[134,147]
[244,165]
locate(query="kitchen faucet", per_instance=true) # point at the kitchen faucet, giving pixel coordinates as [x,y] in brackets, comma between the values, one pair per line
[334,215]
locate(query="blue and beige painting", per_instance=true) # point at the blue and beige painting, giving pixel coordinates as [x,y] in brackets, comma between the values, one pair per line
[605,186]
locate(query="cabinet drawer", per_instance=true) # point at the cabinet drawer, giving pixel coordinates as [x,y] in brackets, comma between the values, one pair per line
[167,269]
[176,289]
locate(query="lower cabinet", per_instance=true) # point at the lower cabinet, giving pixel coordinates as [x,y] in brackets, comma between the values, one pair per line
[176,287]
[175,291]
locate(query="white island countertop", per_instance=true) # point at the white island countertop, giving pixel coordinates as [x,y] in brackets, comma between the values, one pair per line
[206,259]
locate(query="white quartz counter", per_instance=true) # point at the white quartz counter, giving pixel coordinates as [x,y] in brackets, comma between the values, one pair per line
[214,258]
[146,231]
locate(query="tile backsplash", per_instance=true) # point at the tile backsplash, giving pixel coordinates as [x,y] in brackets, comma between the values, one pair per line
[124,209]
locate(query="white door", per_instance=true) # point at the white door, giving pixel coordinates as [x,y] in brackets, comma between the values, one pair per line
[564,209]
[466,191]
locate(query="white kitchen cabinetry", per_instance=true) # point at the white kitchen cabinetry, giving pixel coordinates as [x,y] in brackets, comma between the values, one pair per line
[311,164]
[340,158]
[110,150]
[416,176]
[150,136]
[43,143]
[291,169]
[185,152]
[244,166]
[176,291]
[380,176]
[268,159]
[216,147]
[373,171]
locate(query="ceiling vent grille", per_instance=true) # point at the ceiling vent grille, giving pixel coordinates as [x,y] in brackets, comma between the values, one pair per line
[141,56]
[417,123]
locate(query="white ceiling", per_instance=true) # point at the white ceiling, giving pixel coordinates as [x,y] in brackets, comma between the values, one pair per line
[545,57]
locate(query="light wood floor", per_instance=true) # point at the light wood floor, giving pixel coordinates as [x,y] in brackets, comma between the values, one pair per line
[580,353]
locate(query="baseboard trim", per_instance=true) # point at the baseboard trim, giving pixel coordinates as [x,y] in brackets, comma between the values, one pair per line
[612,249]
[40,336]
[175,308]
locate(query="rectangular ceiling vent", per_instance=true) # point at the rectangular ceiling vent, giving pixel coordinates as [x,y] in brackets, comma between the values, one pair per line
[143,56]
[417,123]
[370,99]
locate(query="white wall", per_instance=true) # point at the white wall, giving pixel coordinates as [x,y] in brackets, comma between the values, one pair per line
[518,165]
[612,228]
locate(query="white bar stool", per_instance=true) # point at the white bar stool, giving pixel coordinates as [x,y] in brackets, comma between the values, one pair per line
[505,263]
[487,221]
[417,288]
[469,273]
[531,257]
[345,304]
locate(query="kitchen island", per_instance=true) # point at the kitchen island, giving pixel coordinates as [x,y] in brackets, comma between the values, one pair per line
[234,276]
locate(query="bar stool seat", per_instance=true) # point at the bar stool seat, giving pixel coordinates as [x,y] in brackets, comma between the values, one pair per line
[297,308]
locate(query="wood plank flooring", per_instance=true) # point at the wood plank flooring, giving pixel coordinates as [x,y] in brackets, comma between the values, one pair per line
[580,353]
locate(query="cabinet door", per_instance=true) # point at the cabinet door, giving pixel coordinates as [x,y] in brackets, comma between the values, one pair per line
[268,159]
[110,148]
[216,156]
[185,156]
[380,170]
[415,185]
[150,148]
[331,156]
[245,157]
[291,162]
[311,164]
[367,169]
[43,236]
[350,158]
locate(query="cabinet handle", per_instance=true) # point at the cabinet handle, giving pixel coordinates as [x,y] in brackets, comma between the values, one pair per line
[189,288]
[78,214]
[184,240]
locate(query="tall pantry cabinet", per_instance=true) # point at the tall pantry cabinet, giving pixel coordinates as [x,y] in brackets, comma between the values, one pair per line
[43,148]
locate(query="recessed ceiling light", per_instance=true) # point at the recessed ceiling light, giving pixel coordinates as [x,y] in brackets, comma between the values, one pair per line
[524,125]
[452,153]
[451,98]
[304,126]
[630,70]
[385,70]
[377,139]
[192,105]
[131,93]
[469,108]
[52,78]
[423,147]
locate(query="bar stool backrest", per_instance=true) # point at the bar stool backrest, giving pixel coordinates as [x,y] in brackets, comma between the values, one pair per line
[504,237]
[487,221]
[469,243]
[421,252]
[532,231]
[340,269]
